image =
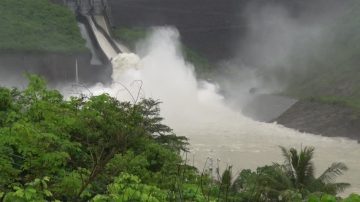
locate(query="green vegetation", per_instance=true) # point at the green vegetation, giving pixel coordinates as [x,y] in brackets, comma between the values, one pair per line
[202,65]
[341,101]
[130,36]
[38,26]
[100,149]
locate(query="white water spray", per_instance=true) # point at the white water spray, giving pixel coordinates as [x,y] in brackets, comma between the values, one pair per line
[194,109]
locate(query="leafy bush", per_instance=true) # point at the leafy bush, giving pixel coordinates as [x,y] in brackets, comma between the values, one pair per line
[129,188]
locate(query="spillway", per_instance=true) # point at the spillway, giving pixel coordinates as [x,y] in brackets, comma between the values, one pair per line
[104,43]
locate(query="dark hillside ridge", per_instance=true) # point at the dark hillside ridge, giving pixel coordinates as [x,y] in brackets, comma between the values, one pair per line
[325,119]
[206,26]
[215,28]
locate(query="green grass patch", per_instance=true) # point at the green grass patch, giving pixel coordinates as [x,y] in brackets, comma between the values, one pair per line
[38,26]
[338,87]
[130,36]
[341,101]
[201,63]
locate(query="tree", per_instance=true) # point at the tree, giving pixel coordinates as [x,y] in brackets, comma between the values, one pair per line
[299,168]
[289,182]
[73,141]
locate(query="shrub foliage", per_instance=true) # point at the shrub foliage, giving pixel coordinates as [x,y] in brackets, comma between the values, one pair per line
[99,149]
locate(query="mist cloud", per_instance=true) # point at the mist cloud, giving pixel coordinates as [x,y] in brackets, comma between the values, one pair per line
[278,45]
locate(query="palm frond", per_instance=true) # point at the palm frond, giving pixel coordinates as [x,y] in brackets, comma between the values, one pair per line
[305,166]
[329,175]
[341,186]
[335,188]
[287,162]
[286,154]
[294,158]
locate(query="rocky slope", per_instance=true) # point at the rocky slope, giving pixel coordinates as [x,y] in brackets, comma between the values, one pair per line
[324,119]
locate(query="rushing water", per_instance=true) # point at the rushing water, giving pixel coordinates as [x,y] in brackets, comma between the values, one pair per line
[195,110]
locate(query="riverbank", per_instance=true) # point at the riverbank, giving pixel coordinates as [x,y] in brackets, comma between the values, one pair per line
[330,120]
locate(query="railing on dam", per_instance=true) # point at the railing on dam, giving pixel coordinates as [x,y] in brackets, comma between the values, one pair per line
[92,7]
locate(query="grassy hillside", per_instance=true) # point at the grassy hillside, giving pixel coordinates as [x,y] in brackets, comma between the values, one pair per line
[38,26]
[333,75]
